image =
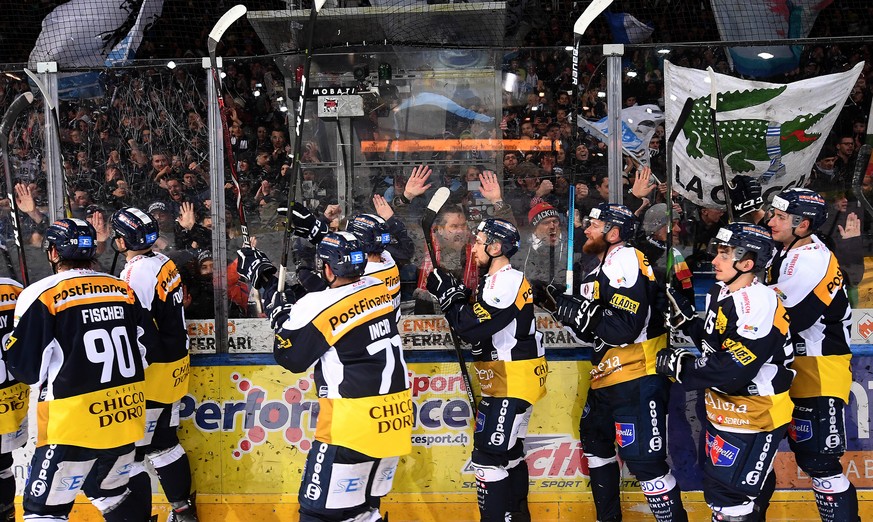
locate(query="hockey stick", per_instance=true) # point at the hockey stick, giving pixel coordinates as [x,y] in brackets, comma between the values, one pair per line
[427,218]
[56,128]
[591,12]
[231,16]
[712,112]
[671,140]
[21,102]
[298,142]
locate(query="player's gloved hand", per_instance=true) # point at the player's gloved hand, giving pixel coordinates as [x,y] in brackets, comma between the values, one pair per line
[277,305]
[681,310]
[310,281]
[669,361]
[746,194]
[443,285]
[305,224]
[254,267]
[581,315]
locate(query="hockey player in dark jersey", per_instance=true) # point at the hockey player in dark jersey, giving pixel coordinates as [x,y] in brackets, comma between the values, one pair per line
[158,286]
[510,363]
[349,331]
[80,336]
[807,278]
[372,232]
[14,403]
[614,308]
[744,370]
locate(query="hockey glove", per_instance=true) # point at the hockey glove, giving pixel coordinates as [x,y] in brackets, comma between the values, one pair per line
[305,224]
[581,315]
[669,362]
[310,281]
[681,310]
[443,285]
[254,267]
[746,194]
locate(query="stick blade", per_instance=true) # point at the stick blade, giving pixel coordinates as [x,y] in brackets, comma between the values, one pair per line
[591,12]
[227,19]
[439,199]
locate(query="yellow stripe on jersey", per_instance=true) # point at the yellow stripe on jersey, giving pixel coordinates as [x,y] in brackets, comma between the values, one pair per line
[525,294]
[379,426]
[14,401]
[80,291]
[822,376]
[626,363]
[830,283]
[755,413]
[168,280]
[645,266]
[100,419]
[362,306]
[167,382]
[390,276]
[8,297]
[780,318]
[524,380]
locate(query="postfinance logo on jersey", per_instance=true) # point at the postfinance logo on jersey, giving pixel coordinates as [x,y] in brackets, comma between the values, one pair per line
[353,309]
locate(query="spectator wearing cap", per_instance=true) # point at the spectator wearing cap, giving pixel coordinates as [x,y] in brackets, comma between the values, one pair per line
[652,241]
[545,250]
[823,175]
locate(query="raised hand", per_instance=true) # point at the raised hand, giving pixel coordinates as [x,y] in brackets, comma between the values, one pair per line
[490,187]
[383,209]
[417,183]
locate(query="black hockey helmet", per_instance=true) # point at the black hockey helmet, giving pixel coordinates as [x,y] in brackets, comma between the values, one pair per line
[138,229]
[343,253]
[502,231]
[746,238]
[371,231]
[800,204]
[615,215]
[74,239]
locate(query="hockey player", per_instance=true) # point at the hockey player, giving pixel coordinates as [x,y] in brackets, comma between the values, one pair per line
[807,277]
[158,286]
[510,363]
[349,332]
[14,403]
[744,371]
[627,403]
[80,336]
[372,232]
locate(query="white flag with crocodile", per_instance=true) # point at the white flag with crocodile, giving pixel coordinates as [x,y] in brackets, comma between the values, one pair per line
[770,131]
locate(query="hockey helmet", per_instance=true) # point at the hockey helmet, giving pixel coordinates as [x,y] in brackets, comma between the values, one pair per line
[138,229]
[74,239]
[371,231]
[615,215]
[800,204]
[502,231]
[746,238]
[343,253]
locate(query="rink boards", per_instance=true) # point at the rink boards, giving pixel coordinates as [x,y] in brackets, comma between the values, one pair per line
[248,424]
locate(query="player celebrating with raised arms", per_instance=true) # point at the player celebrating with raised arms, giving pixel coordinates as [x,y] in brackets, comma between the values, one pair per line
[348,329]
[510,363]
[744,370]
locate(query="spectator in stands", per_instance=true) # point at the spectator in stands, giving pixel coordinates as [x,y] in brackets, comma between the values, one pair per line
[843,232]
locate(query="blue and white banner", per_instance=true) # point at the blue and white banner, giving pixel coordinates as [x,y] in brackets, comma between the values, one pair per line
[761,20]
[637,127]
[626,29]
[92,33]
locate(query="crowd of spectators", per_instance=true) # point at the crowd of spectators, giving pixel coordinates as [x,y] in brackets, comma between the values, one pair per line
[145,144]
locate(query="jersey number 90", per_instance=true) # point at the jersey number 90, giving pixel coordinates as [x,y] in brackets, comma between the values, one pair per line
[108,347]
